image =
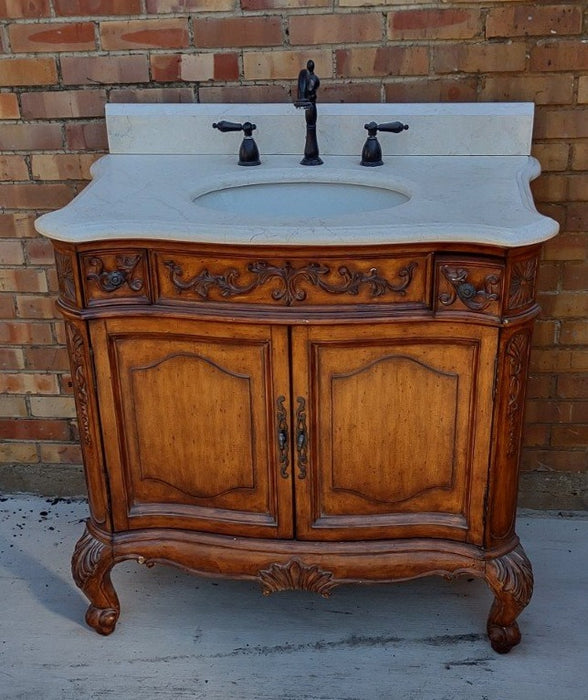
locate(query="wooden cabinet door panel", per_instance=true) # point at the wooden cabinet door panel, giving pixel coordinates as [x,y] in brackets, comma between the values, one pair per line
[398,429]
[191,406]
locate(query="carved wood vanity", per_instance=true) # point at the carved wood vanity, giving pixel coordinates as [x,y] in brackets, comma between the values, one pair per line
[301,416]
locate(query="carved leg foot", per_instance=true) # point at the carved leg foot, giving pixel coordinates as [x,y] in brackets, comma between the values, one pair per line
[91,564]
[511,579]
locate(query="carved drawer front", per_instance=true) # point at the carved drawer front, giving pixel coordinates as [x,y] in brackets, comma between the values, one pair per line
[293,282]
[114,277]
[468,285]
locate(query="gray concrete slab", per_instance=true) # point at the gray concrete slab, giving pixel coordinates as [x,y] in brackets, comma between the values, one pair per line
[182,636]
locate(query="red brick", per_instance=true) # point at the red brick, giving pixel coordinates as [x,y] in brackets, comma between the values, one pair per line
[577,219]
[383,61]
[282,4]
[552,155]
[11,253]
[559,460]
[569,435]
[583,89]
[539,89]
[479,58]
[574,332]
[157,95]
[50,359]
[60,453]
[30,137]
[52,406]
[449,23]
[62,166]
[541,386]
[16,9]
[536,435]
[335,28]
[208,66]
[13,168]
[243,93]
[12,406]
[564,304]
[18,452]
[237,31]
[17,225]
[7,309]
[33,196]
[572,386]
[28,383]
[575,276]
[27,71]
[350,92]
[533,20]
[19,429]
[427,90]
[9,106]
[165,67]
[148,33]
[11,358]
[81,70]
[65,104]
[35,306]
[550,188]
[548,411]
[155,7]
[39,251]
[578,185]
[556,55]
[86,136]
[275,65]
[566,246]
[76,36]
[580,156]
[560,123]
[96,8]
[545,332]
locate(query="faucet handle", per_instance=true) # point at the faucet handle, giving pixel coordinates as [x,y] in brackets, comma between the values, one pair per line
[248,152]
[371,154]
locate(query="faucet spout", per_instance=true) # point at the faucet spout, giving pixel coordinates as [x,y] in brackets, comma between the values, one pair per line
[308,84]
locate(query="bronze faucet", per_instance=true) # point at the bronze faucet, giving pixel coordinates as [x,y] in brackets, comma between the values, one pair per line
[308,84]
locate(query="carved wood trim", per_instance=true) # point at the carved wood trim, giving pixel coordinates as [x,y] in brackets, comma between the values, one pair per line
[476,299]
[111,280]
[516,352]
[522,283]
[80,384]
[296,576]
[86,558]
[65,275]
[289,279]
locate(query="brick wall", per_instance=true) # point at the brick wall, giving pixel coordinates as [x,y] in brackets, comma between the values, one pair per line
[61,60]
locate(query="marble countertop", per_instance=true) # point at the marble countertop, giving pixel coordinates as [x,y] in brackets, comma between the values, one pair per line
[452,198]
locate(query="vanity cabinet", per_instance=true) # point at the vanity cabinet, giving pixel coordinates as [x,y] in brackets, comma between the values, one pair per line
[301,416]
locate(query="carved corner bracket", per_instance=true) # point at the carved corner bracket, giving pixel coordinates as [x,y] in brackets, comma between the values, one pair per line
[296,576]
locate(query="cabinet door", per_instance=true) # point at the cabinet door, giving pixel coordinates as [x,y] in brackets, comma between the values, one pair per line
[190,414]
[397,420]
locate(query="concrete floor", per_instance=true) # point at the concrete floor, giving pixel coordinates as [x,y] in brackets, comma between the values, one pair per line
[180,636]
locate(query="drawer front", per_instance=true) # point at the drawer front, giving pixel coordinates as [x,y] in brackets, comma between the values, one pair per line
[293,282]
[468,285]
[115,277]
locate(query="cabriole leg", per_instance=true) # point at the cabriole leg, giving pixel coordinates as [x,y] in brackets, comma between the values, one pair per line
[511,579]
[91,564]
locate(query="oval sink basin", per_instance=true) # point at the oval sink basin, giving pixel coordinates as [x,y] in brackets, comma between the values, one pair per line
[287,201]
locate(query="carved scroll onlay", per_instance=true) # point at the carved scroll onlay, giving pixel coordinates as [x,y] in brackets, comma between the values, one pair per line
[111,280]
[289,279]
[474,299]
[516,352]
[80,384]
[296,576]
[522,283]
[65,276]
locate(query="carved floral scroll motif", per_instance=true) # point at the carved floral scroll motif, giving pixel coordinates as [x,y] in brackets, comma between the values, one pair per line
[289,279]
[475,298]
